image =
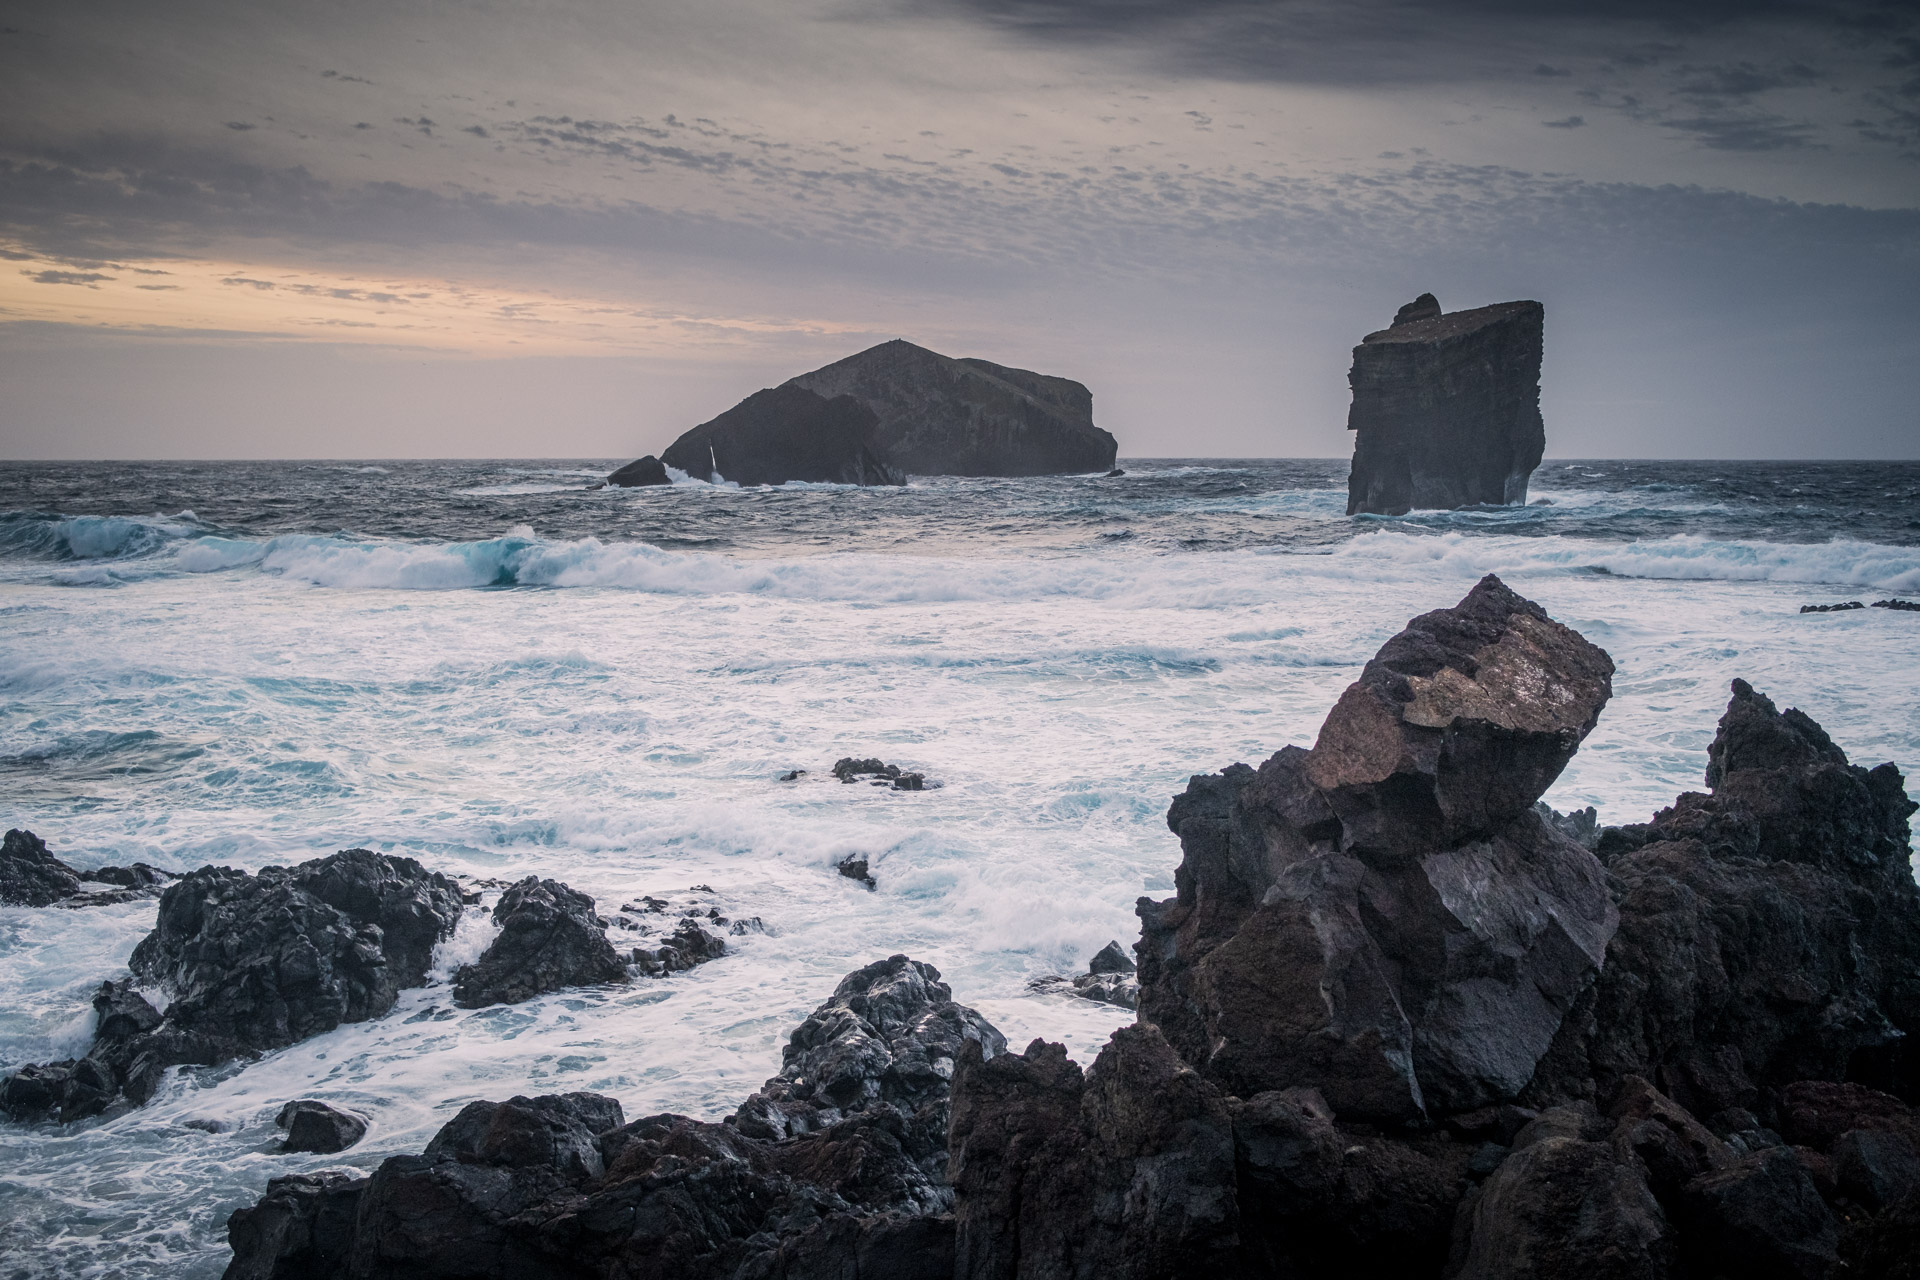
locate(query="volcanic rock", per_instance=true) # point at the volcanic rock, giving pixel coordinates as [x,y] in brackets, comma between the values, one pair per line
[688,945]
[316,1127]
[851,770]
[1769,929]
[253,963]
[1446,408]
[938,416]
[640,472]
[1386,918]
[29,875]
[786,433]
[563,1186]
[549,939]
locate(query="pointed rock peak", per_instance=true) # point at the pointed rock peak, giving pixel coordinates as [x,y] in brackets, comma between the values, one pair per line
[1424,307]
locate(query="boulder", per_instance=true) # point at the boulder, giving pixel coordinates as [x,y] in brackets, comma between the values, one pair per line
[316,1127]
[1386,918]
[1446,408]
[688,945]
[786,433]
[640,472]
[549,939]
[564,1186]
[938,416]
[849,770]
[29,875]
[1760,1216]
[253,963]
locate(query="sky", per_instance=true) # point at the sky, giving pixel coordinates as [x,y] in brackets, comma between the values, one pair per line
[575,228]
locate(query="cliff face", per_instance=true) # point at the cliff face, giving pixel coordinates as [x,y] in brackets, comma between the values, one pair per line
[786,433]
[942,416]
[1446,408]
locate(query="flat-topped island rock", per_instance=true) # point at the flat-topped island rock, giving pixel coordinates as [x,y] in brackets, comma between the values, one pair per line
[1446,408]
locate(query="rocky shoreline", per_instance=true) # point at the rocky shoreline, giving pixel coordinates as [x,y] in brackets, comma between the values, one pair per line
[1399,1018]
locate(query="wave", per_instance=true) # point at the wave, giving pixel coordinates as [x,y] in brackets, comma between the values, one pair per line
[40,535]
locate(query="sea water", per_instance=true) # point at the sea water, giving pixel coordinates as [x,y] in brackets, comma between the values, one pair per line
[500,672]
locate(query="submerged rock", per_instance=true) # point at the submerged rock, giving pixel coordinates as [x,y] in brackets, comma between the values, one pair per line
[549,939]
[1109,979]
[786,433]
[837,1168]
[850,770]
[316,1127]
[253,963]
[639,473]
[938,416]
[1446,408]
[1386,918]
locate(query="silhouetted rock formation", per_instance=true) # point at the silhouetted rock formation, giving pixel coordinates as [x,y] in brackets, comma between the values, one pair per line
[549,939]
[252,963]
[640,472]
[837,1167]
[1446,408]
[938,416]
[786,433]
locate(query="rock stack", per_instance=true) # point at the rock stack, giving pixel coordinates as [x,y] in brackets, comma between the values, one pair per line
[1446,408]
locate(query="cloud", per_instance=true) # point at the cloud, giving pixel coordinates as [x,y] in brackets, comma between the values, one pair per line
[1746,133]
[1571,122]
[65,277]
[240,126]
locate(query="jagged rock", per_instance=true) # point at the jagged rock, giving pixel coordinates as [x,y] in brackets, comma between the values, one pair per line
[786,433]
[563,1186]
[549,939]
[314,1126]
[1386,918]
[1843,607]
[1112,958]
[1125,1172]
[688,945]
[1582,826]
[855,867]
[890,1034]
[1769,931]
[255,963]
[1446,408]
[29,875]
[1565,1204]
[937,416]
[137,876]
[640,472]
[1875,1168]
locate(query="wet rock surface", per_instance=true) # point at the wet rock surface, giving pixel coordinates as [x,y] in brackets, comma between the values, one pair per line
[252,963]
[549,939]
[851,770]
[1111,978]
[30,876]
[836,1168]
[316,1127]
[639,473]
[1446,408]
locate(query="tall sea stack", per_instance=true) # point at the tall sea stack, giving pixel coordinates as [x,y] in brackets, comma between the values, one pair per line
[1446,408]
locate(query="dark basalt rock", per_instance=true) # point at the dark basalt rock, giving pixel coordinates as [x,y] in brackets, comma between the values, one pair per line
[1109,979]
[937,416]
[1769,929]
[850,770]
[786,433]
[688,945]
[253,963]
[1386,918]
[1446,408]
[566,1187]
[855,867]
[1905,606]
[640,472]
[549,939]
[29,875]
[314,1126]
[1844,607]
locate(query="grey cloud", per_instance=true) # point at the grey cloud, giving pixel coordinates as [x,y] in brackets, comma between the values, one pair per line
[1743,80]
[1571,122]
[239,126]
[65,277]
[1745,133]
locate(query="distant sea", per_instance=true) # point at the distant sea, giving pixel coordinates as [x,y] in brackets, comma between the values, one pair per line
[491,668]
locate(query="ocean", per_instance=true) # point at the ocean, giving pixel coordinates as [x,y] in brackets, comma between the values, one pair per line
[493,669]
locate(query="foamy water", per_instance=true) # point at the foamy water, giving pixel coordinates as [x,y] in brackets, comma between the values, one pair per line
[617,713]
